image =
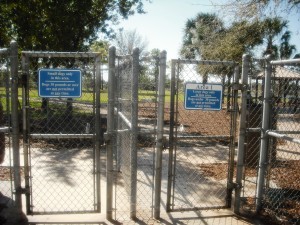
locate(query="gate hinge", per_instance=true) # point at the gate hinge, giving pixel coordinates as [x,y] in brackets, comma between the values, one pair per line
[235,186]
[23,191]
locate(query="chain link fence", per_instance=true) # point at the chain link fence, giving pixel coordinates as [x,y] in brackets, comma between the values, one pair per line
[6,167]
[202,137]
[270,145]
[132,127]
[62,135]
[281,191]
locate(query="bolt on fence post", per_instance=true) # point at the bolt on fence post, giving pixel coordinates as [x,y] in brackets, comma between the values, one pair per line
[134,131]
[159,133]
[110,128]
[242,132]
[15,123]
[264,136]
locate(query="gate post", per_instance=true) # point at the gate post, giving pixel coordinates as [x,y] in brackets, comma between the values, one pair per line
[242,132]
[171,138]
[264,137]
[98,131]
[159,133]
[134,131]
[110,128]
[15,123]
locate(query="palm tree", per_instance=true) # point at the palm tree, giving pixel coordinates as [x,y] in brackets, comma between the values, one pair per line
[273,27]
[286,50]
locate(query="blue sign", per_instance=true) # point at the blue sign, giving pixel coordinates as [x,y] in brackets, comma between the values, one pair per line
[60,83]
[203,96]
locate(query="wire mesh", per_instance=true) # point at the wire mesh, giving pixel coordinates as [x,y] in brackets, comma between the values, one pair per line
[281,200]
[6,157]
[202,142]
[63,154]
[253,134]
[134,174]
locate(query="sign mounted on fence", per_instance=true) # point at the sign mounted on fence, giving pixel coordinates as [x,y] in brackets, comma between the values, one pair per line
[60,83]
[203,96]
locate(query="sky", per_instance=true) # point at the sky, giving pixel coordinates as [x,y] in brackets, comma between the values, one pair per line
[162,26]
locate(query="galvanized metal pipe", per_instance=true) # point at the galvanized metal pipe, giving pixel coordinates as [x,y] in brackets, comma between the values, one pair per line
[171,137]
[283,136]
[134,134]
[285,62]
[61,136]
[25,106]
[110,129]
[232,138]
[204,62]
[264,138]
[15,123]
[242,133]
[159,133]
[98,131]
[61,54]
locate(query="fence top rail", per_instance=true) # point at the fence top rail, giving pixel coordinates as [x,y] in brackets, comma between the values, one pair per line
[3,50]
[284,62]
[61,54]
[204,62]
[283,136]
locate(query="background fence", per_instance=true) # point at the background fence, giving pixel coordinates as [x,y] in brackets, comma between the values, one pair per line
[62,135]
[202,141]
[281,191]
[271,162]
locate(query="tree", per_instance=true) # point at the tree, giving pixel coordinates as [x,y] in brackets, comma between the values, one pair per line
[198,33]
[286,50]
[126,41]
[272,27]
[257,9]
[206,37]
[61,25]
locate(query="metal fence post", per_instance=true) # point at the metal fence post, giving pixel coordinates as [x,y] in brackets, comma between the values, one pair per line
[264,136]
[15,123]
[98,131]
[110,128]
[159,133]
[242,132]
[233,129]
[134,131]
[171,138]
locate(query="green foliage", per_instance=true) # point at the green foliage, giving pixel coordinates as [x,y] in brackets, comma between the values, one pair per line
[61,25]
[206,38]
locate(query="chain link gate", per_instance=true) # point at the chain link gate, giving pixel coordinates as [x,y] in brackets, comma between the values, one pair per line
[6,169]
[269,140]
[61,135]
[134,136]
[278,188]
[201,142]
[10,170]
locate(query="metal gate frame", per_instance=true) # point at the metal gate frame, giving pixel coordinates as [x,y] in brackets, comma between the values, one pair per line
[122,126]
[232,106]
[11,54]
[27,135]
